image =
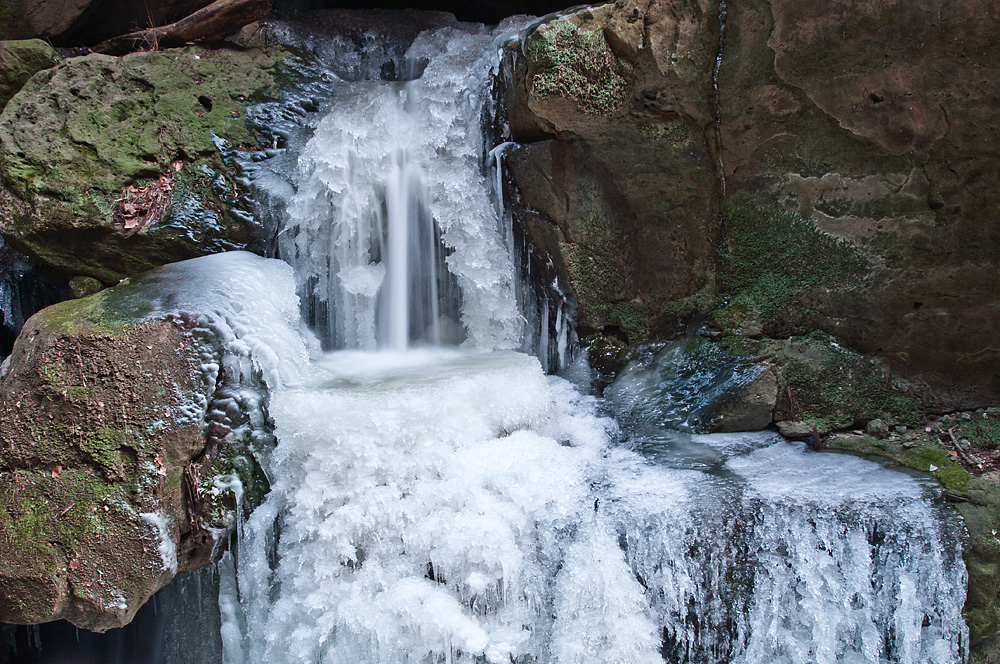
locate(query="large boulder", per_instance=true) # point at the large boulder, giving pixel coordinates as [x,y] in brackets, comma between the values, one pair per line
[836,172]
[127,420]
[613,110]
[112,166]
[696,385]
[19,61]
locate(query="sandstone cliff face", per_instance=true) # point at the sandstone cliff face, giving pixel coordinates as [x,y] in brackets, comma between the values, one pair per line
[875,121]
[841,178]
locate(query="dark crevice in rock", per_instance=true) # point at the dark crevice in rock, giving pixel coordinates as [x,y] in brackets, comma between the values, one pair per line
[488,11]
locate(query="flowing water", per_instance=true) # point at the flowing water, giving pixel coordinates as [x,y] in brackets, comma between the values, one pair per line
[436,497]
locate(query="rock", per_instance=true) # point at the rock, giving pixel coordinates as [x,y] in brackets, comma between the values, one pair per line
[84,286]
[696,385]
[795,430]
[871,125]
[120,445]
[19,61]
[113,166]
[877,428]
[86,21]
[824,384]
[613,168]
[750,408]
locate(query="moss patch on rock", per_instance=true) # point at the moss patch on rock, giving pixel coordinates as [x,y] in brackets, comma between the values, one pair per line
[769,258]
[577,63]
[19,61]
[600,274]
[835,388]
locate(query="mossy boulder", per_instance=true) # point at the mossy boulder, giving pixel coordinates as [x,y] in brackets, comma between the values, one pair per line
[112,166]
[611,106]
[19,61]
[114,434]
[831,388]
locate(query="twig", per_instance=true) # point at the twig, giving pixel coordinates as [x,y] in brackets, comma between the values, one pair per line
[965,456]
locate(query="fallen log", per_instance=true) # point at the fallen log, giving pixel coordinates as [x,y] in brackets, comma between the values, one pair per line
[214,22]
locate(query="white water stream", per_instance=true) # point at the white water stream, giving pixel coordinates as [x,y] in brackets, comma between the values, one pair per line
[455,504]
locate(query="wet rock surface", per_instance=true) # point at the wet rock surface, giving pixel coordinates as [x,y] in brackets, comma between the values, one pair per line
[113,166]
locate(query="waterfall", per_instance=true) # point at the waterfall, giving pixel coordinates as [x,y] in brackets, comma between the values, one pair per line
[392,230]
[436,497]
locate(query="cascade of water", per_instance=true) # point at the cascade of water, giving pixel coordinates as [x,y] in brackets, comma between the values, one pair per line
[391,232]
[432,505]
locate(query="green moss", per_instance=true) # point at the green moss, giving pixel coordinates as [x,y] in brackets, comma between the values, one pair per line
[110,311]
[594,263]
[577,64]
[981,512]
[844,389]
[235,460]
[599,271]
[39,513]
[918,455]
[769,258]
[632,318]
[104,446]
[980,431]
[673,133]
